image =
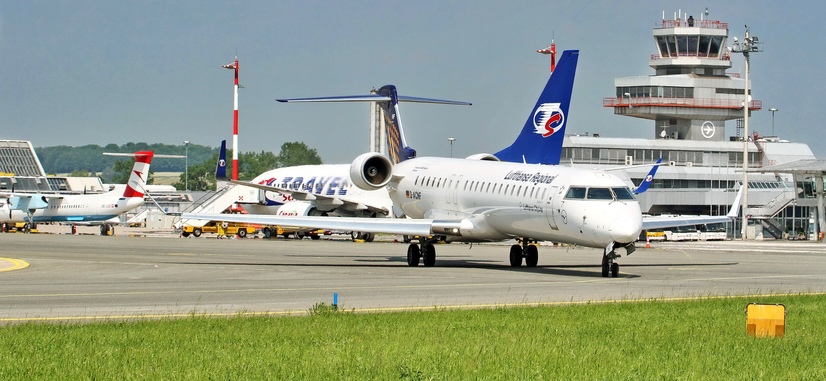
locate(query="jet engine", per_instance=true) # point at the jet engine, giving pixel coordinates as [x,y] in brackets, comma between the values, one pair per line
[371,171]
[483,156]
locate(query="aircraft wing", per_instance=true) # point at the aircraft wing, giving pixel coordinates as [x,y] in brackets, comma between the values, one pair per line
[659,222]
[27,201]
[309,196]
[375,225]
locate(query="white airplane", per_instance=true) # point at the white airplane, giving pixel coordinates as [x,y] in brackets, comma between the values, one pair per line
[325,190]
[497,197]
[35,208]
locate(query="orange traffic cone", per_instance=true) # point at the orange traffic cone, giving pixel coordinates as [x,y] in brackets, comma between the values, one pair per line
[647,242]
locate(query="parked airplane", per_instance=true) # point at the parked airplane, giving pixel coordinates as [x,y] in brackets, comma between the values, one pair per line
[35,208]
[481,198]
[325,190]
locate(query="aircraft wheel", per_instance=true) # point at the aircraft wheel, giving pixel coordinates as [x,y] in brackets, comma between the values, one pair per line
[615,270]
[26,227]
[197,232]
[413,255]
[368,237]
[429,255]
[532,256]
[516,256]
[242,233]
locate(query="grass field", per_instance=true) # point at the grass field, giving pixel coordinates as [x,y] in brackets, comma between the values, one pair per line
[703,339]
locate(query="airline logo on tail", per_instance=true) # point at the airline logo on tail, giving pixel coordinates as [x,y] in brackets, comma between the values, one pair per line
[548,119]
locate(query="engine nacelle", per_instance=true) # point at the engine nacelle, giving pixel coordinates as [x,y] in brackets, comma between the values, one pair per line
[371,171]
[483,156]
[299,209]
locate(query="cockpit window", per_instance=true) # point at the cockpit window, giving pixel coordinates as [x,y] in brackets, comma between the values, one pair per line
[599,194]
[623,193]
[576,193]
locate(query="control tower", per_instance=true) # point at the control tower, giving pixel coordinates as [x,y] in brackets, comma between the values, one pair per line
[691,96]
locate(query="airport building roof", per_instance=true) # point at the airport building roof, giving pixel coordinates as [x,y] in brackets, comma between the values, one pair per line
[17,158]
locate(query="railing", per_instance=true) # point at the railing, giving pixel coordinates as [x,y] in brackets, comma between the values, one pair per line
[680,102]
[722,57]
[733,75]
[711,24]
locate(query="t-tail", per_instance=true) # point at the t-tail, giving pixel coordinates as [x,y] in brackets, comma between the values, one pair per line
[388,100]
[540,141]
[646,182]
[136,186]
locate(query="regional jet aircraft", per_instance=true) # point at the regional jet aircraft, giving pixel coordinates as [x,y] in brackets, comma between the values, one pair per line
[483,198]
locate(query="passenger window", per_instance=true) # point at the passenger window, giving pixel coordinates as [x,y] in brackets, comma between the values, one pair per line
[576,193]
[623,193]
[599,194]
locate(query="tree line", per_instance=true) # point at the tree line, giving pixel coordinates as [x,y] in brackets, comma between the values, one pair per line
[89,160]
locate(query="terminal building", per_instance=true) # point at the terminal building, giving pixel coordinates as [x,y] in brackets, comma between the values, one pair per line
[688,100]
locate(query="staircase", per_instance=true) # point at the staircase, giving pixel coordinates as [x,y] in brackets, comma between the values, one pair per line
[211,203]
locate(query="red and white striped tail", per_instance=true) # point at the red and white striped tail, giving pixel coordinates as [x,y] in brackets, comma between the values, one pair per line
[140,173]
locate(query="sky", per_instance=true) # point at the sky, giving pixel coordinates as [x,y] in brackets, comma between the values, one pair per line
[100,72]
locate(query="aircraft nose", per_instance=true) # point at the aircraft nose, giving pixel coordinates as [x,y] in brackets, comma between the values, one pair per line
[624,230]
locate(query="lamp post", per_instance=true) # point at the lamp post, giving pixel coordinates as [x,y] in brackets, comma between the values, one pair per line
[750,44]
[186,165]
[773,110]
[451,140]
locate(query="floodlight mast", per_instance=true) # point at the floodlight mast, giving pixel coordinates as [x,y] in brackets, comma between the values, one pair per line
[552,51]
[749,45]
[234,66]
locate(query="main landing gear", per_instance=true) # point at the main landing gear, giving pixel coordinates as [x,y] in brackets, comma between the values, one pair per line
[609,267]
[426,252]
[527,250]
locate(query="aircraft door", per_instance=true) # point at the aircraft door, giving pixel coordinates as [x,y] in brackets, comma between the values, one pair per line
[549,207]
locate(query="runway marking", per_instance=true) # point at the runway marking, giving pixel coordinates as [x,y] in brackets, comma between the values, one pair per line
[599,280]
[401,309]
[16,264]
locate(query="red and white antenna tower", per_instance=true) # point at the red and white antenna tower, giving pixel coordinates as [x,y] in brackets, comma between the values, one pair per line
[552,51]
[235,121]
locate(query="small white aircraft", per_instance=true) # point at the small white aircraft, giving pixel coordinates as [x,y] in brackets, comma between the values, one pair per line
[497,197]
[35,208]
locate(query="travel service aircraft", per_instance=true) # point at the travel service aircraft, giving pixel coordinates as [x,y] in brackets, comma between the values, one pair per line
[35,208]
[483,198]
[325,190]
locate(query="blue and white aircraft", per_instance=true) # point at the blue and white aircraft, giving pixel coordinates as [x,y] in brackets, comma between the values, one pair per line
[483,198]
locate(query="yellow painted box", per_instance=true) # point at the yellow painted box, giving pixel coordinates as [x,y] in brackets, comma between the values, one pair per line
[766,320]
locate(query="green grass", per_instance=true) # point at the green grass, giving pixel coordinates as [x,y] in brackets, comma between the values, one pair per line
[692,340]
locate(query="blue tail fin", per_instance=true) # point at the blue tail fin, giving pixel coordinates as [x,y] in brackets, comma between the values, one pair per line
[221,168]
[540,141]
[388,99]
[646,182]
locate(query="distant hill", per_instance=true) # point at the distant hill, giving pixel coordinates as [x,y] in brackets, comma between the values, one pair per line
[65,159]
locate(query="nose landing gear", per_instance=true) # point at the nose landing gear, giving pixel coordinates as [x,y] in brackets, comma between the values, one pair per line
[609,267]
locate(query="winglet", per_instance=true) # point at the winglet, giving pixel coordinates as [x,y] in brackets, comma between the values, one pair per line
[735,207]
[541,138]
[221,167]
[648,179]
